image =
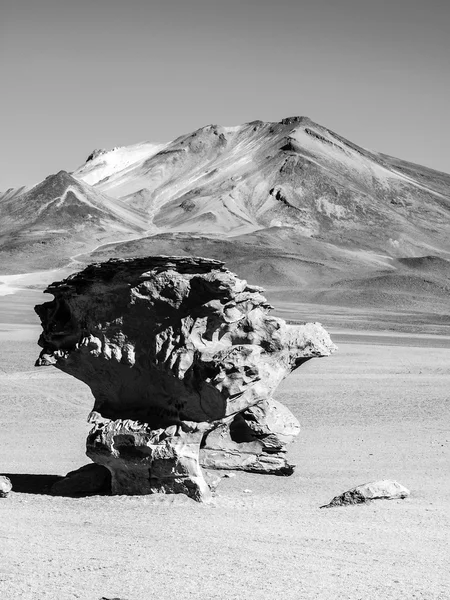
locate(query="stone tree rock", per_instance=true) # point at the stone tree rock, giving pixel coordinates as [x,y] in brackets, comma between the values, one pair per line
[179,354]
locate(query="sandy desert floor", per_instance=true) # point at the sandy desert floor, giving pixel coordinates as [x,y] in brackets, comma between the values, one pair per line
[379,408]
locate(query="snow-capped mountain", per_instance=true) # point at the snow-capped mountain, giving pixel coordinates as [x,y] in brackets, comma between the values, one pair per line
[229,180]
[102,164]
[291,205]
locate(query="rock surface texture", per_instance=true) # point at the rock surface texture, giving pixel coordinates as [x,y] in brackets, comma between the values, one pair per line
[375,490]
[180,355]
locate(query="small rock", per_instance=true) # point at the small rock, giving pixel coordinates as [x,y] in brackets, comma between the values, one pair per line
[212,479]
[87,481]
[229,475]
[247,491]
[375,490]
[5,486]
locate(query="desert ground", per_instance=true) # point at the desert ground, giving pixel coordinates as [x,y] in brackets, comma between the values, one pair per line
[377,409]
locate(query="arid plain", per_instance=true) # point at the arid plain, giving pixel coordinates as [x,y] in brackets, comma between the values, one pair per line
[378,408]
[354,239]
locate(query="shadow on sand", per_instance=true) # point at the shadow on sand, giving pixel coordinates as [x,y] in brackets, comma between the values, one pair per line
[32,484]
[42,485]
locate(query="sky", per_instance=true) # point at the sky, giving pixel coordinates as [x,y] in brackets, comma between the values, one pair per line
[85,74]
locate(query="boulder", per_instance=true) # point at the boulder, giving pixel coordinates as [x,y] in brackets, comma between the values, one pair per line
[86,481]
[255,440]
[179,353]
[5,486]
[375,490]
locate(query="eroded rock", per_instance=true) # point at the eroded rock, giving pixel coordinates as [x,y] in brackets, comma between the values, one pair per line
[179,353]
[255,440]
[375,490]
[145,460]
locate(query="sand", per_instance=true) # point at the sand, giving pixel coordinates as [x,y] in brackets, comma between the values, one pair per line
[372,411]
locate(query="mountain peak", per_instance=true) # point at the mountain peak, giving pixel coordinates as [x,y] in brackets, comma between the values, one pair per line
[61,179]
[296,120]
[95,153]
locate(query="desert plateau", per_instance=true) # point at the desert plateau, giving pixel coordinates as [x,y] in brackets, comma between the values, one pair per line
[335,234]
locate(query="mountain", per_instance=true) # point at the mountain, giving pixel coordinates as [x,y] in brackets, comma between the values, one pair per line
[295,173]
[102,164]
[56,218]
[291,206]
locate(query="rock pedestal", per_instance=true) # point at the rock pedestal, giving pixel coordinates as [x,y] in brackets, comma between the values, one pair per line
[143,460]
[180,355]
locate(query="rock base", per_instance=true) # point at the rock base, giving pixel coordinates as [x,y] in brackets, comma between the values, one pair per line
[89,480]
[142,460]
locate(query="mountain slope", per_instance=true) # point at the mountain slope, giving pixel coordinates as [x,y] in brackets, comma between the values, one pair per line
[101,164]
[291,206]
[304,277]
[289,174]
[57,217]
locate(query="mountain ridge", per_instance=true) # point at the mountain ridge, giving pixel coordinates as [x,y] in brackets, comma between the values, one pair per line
[57,218]
[290,205]
[290,162]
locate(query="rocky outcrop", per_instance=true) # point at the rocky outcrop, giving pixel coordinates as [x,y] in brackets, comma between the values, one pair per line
[95,154]
[179,354]
[375,490]
[5,486]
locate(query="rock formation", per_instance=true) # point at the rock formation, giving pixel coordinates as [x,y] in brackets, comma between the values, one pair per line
[375,490]
[180,355]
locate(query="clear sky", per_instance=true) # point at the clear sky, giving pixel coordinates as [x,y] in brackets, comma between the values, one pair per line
[82,74]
